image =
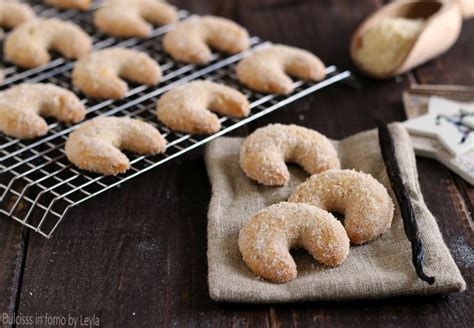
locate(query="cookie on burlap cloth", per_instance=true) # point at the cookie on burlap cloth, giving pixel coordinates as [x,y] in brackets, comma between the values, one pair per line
[379,269]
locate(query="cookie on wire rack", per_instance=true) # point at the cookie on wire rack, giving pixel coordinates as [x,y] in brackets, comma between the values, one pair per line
[22,107]
[268,70]
[71,4]
[192,39]
[28,45]
[97,145]
[188,108]
[132,18]
[13,13]
[100,74]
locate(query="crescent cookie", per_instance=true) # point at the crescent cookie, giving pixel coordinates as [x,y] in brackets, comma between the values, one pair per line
[22,106]
[129,18]
[365,203]
[187,108]
[267,70]
[267,237]
[28,44]
[99,74]
[70,4]
[13,13]
[96,145]
[263,153]
[189,42]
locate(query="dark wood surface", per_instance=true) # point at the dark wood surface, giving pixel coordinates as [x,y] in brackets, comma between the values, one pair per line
[136,256]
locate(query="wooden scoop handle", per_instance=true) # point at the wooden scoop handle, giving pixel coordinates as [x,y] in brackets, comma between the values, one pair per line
[467,8]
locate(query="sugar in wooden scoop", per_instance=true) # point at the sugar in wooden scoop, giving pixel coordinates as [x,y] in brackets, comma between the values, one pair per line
[385,46]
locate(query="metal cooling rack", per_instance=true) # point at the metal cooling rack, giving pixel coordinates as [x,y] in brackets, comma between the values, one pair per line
[38,185]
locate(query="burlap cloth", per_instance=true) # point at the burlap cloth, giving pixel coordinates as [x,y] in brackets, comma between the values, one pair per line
[416,99]
[379,269]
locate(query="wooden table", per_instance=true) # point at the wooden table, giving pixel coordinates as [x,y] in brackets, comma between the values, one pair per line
[136,256]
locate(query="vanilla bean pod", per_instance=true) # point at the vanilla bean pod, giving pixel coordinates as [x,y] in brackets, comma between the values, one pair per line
[404,202]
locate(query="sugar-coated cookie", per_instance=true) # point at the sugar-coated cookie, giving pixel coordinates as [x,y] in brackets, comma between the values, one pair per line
[189,42]
[99,74]
[267,70]
[263,153]
[187,108]
[365,203]
[71,4]
[267,237]
[132,18]
[13,13]
[96,145]
[22,106]
[28,44]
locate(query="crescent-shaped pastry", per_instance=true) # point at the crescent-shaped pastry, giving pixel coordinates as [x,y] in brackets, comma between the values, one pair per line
[268,70]
[266,239]
[132,18]
[264,153]
[28,45]
[22,106]
[189,42]
[364,202]
[96,145]
[100,74]
[187,108]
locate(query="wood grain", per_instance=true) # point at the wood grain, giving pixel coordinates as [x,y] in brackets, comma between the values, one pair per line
[136,256]
[456,67]
[12,254]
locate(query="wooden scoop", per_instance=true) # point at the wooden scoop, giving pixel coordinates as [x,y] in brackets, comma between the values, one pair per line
[443,21]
